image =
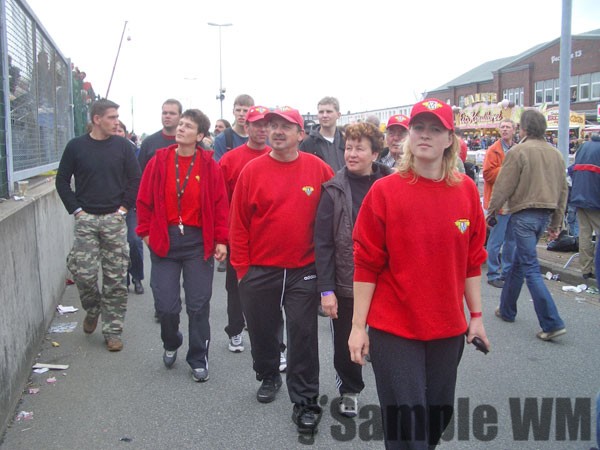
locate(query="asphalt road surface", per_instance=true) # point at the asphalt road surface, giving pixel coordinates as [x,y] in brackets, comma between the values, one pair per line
[525,394]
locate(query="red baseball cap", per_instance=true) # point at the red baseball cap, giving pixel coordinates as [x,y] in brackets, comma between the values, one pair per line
[256,113]
[288,113]
[441,110]
[398,119]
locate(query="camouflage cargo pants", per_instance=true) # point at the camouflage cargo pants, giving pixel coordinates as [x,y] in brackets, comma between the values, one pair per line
[101,240]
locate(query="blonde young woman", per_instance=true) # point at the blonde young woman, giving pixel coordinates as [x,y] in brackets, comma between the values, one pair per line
[418,249]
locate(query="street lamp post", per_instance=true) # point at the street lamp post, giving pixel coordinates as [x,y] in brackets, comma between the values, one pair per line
[221,95]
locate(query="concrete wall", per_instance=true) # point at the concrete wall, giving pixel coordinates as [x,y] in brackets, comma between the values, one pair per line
[35,236]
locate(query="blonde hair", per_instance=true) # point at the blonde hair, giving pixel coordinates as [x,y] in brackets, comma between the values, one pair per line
[406,165]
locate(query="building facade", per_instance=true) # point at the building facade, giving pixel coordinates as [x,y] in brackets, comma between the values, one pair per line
[532,78]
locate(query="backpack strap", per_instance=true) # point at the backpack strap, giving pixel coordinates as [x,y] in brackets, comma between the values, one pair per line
[228,139]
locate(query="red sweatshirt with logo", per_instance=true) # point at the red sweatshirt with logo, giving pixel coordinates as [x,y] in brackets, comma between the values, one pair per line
[419,242]
[273,212]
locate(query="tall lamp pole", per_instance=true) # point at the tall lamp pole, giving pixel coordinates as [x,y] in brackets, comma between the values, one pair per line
[116,59]
[221,95]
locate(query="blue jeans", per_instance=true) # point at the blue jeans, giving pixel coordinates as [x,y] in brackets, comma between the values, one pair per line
[524,231]
[497,268]
[572,220]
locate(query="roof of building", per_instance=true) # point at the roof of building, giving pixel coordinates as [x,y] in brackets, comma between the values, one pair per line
[485,71]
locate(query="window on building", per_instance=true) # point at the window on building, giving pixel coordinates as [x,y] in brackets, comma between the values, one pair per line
[461,101]
[596,85]
[539,92]
[522,96]
[556,90]
[573,89]
[549,91]
[584,87]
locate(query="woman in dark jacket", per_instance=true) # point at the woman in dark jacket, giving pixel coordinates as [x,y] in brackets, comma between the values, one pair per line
[340,201]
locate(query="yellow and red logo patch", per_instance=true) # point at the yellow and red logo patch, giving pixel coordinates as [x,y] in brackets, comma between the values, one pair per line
[432,105]
[462,225]
[308,190]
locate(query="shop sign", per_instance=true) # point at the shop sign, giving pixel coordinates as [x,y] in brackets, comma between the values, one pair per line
[576,120]
[485,97]
[481,116]
[575,54]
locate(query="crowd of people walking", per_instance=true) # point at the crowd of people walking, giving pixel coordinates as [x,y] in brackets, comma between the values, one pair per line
[303,220]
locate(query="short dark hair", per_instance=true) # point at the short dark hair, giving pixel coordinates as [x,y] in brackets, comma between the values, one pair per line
[367,130]
[99,108]
[199,118]
[172,101]
[533,123]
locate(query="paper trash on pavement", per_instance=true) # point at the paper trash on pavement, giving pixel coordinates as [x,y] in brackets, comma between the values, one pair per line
[50,366]
[41,370]
[578,289]
[65,327]
[24,415]
[66,309]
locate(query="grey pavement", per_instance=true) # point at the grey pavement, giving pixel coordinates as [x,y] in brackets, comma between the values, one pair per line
[129,400]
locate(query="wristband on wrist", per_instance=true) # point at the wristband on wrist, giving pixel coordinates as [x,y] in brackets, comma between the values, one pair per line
[78,210]
[122,212]
[326,293]
[475,314]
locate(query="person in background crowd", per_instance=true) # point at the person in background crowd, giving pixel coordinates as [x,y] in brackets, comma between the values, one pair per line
[417,329]
[170,115]
[374,120]
[182,217]
[231,164]
[272,251]
[396,132]
[326,141]
[533,181]
[497,267]
[107,177]
[585,196]
[220,126]
[235,135]
[136,246]
[339,205]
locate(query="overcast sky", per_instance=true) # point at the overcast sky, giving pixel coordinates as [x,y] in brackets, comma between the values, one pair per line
[369,55]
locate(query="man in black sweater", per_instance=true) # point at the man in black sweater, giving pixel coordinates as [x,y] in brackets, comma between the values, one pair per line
[107,177]
[170,115]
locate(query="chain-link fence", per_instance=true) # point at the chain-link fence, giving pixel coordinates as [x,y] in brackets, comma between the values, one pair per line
[37,97]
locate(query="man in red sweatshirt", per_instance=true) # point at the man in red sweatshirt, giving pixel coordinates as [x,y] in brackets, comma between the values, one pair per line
[272,250]
[232,163]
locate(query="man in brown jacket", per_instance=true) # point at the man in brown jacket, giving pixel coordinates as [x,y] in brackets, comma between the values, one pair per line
[533,181]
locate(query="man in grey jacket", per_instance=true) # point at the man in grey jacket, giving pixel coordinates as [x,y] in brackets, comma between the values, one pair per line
[533,181]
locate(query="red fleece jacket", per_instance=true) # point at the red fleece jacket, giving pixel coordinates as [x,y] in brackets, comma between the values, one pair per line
[418,242]
[152,211]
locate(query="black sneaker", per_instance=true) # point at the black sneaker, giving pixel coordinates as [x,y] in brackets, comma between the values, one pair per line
[268,389]
[307,417]
[169,358]
[137,287]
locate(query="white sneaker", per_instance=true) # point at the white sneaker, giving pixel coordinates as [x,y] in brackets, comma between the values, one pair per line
[282,362]
[236,343]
